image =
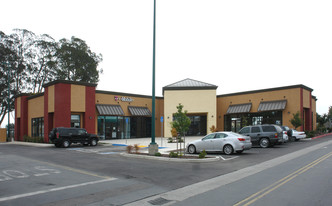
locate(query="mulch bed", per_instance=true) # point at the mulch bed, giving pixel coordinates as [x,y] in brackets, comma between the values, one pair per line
[186,156]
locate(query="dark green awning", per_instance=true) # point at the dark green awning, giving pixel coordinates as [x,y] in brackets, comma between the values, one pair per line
[272,105]
[109,109]
[238,108]
[139,111]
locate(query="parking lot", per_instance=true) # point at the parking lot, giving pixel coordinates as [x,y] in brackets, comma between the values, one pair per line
[31,175]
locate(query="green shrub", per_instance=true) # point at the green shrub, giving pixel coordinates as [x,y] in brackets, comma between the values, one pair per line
[173,155]
[310,134]
[137,148]
[129,148]
[157,154]
[33,139]
[202,154]
[170,140]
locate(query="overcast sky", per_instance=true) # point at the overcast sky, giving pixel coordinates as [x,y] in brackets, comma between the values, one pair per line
[238,45]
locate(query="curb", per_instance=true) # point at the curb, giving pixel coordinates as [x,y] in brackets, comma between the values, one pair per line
[168,159]
[31,144]
[324,135]
[320,136]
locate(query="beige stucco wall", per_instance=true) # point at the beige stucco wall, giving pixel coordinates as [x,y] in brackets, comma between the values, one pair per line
[77,101]
[3,135]
[194,101]
[138,101]
[306,98]
[18,107]
[36,110]
[292,96]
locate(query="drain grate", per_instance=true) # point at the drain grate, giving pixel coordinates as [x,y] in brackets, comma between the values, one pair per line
[159,201]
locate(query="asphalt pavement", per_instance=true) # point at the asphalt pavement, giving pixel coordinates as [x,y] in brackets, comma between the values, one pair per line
[99,176]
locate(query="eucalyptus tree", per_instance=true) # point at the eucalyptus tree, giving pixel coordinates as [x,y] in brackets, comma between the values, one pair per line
[43,68]
[8,68]
[22,41]
[76,61]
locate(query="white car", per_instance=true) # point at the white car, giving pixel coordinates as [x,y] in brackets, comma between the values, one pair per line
[297,135]
[227,142]
[285,133]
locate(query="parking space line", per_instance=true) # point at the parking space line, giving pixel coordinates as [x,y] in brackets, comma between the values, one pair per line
[225,159]
[73,169]
[55,189]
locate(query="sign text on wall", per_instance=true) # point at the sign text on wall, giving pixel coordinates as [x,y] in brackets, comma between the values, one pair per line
[123,99]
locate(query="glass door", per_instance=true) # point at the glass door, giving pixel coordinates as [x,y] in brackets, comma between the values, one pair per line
[111,127]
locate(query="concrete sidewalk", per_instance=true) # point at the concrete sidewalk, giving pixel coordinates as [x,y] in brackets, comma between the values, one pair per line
[143,143]
[164,146]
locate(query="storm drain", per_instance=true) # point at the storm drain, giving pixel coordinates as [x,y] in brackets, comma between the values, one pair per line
[159,201]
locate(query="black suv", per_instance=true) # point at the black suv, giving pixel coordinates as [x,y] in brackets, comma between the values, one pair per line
[62,136]
[263,135]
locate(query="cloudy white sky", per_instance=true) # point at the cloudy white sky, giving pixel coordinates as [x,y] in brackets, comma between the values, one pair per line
[238,45]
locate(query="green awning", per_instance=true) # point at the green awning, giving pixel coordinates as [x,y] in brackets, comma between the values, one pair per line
[109,109]
[139,111]
[272,105]
[238,108]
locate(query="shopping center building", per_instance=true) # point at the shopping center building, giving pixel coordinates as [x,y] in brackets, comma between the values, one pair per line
[116,115]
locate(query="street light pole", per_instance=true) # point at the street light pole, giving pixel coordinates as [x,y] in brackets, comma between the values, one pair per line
[153,147]
[8,102]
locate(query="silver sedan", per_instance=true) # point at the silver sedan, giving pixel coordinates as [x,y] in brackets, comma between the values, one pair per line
[227,142]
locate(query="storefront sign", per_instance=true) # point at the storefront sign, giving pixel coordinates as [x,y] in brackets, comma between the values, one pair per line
[123,99]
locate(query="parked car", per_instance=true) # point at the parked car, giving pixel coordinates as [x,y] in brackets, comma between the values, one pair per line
[297,135]
[263,135]
[227,142]
[64,137]
[285,133]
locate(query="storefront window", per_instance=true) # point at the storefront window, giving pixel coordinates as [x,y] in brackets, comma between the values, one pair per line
[235,122]
[257,120]
[37,127]
[111,127]
[114,127]
[75,121]
[140,127]
[101,127]
[197,126]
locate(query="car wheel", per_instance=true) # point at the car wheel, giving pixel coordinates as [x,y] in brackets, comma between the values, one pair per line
[192,149]
[293,139]
[66,143]
[93,142]
[264,142]
[228,149]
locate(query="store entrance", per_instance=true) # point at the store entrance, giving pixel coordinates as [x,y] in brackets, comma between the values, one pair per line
[113,127]
[198,125]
